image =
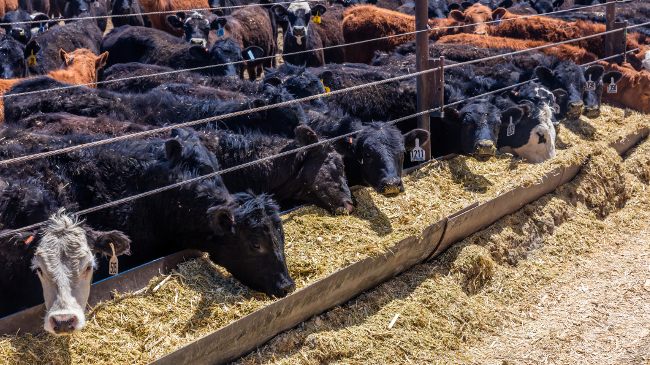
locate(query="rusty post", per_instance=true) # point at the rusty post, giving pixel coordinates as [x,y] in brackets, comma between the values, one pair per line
[610,19]
[619,41]
[436,89]
[421,64]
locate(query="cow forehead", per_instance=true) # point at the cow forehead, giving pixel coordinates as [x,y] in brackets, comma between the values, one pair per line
[299,6]
[63,242]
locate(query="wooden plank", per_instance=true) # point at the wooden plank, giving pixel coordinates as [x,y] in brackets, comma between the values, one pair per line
[30,320]
[252,331]
[624,144]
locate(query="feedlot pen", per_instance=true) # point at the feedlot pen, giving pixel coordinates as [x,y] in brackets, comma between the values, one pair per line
[494,280]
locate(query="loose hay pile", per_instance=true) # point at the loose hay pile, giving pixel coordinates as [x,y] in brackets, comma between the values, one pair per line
[200,297]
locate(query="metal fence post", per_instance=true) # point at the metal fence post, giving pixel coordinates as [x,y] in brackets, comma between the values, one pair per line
[421,64]
[610,19]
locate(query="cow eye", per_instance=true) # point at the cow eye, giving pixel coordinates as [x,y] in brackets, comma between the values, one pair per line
[256,246]
[89,268]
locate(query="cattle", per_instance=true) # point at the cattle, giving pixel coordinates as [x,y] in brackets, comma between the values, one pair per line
[146,45]
[22,32]
[34,6]
[14,57]
[315,175]
[68,124]
[241,232]
[248,27]
[347,3]
[84,8]
[365,22]
[473,129]
[226,7]
[159,21]
[300,82]
[633,88]
[55,263]
[373,157]
[126,7]
[301,35]
[435,8]
[331,35]
[540,6]
[7,6]
[69,37]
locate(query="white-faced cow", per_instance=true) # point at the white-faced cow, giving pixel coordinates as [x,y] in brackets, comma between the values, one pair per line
[301,35]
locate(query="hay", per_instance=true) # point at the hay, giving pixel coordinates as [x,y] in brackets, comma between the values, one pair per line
[452,302]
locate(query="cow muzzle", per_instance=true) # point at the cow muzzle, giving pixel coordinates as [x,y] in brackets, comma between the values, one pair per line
[575,110]
[346,208]
[17,32]
[63,324]
[592,112]
[199,41]
[391,187]
[484,150]
[298,31]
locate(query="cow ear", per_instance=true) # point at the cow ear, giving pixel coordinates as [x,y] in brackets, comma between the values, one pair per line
[499,12]
[258,103]
[526,106]
[607,78]
[451,115]
[420,134]
[318,9]
[279,10]
[217,12]
[466,4]
[219,22]
[326,76]
[222,220]
[41,17]
[560,95]
[173,150]
[32,46]
[545,75]
[557,3]
[99,242]
[256,51]
[505,4]
[457,15]
[454,7]
[515,112]
[175,21]
[595,71]
[305,135]
[101,60]
[62,56]
[274,81]
[199,52]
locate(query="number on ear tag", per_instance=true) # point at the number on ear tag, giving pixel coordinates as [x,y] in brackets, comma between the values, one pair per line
[112,269]
[32,60]
[612,89]
[250,54]
[511,128]
[327,89]
[316,18]
[497,21]
[417,154]
[220,31]
[556,108]
[591,86]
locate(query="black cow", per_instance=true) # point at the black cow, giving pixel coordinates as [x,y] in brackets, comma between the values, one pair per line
[592,99]
[226,5]
[23,32]
[86,8]
[492,4]
[300,82]
[373,157]
[69,37]
[157,107]
[313,176]
[14,57]
[473,130]
[347,3]
[300,35]
[196,25]
[436,8]
[124,7]
[153,46]
[241,232]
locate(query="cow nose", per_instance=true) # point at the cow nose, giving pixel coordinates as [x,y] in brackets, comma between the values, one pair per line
[16,32]
[391,187]
[63,323]
[575,110]
[196,41]
[592,112]
[485,148]
[126,8]
[299,30]
[287,289]
[480,32]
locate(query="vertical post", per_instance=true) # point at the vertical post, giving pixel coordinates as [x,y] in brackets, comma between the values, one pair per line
[619,41]
[421,64]
[436,90]
[610,19]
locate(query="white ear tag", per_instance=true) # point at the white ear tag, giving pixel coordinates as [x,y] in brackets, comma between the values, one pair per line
[556,108]
[112,268]
[511,128]
[591,86]
[417,154]
[612,89]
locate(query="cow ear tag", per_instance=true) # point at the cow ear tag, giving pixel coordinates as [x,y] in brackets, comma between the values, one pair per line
[220,31]
[316,18]
[250,54]
[417,154]
[511,128]
[612,89]
[32,60]
[497,21]
[591,86]
[327,89]
[112,268]
[556,108]
[40,28]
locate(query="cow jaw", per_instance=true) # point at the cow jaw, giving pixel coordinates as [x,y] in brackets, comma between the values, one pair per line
[534,151]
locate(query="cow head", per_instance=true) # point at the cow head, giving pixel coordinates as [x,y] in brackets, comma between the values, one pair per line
[376,155]
[545,6]
[13,57]
[438,9]
[480,123]
[81,8]
[22,32]
[299,16]
[195,25]
[474,16]
[592,98]
[123,7]
[539,97]
[286,117]
[571,78]
[322,175]
[84,63]
[300,82]
[64,262]
[347,3]
[224,51]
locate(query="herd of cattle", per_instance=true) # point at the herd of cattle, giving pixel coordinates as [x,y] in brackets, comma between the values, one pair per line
[235,216]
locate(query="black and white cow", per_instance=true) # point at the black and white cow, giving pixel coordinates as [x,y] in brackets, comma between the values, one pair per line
[300,35]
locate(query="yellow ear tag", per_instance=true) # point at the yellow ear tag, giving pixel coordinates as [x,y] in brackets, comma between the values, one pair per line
[327,89]
[32,60]
[316,19]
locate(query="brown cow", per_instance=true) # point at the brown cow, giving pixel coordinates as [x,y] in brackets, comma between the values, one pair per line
[331,34]
[365,22]
[565,51]
[159,21]
[633,89]
[79,67]
[7,6]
